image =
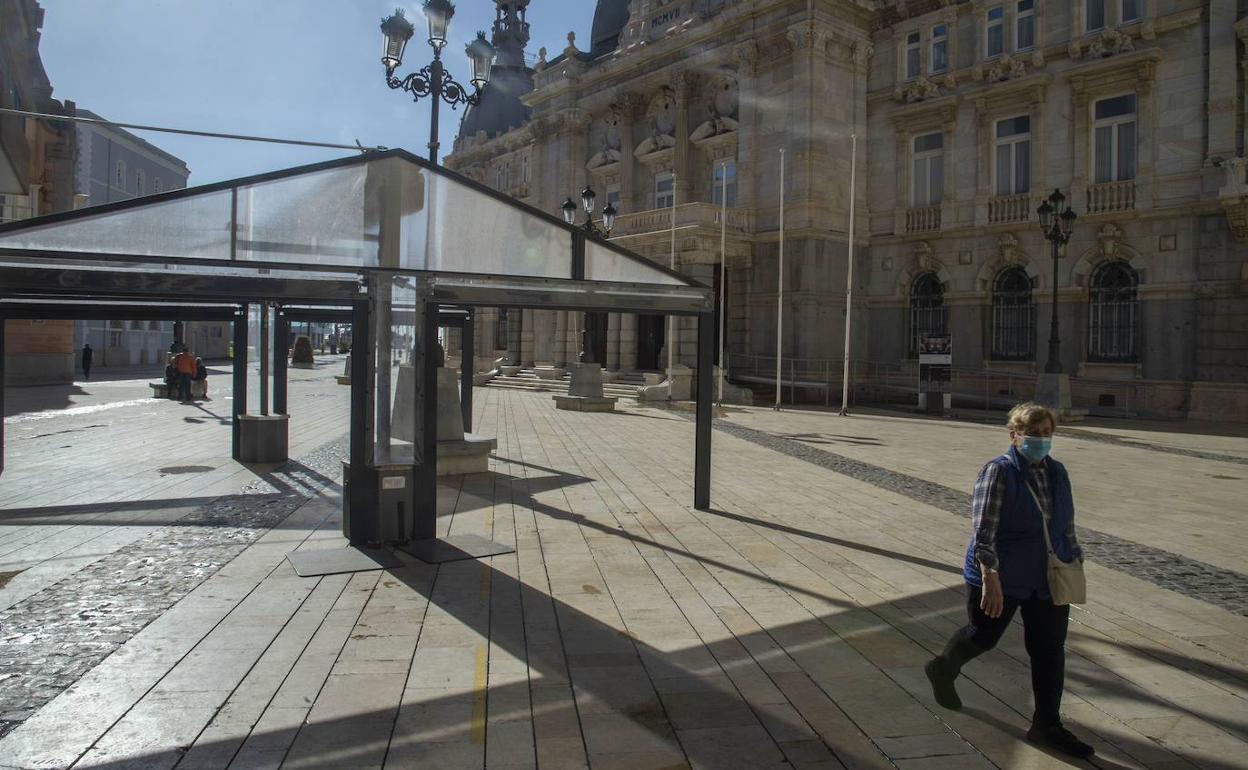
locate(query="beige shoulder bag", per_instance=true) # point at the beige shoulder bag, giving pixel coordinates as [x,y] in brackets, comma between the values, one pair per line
[1067,583]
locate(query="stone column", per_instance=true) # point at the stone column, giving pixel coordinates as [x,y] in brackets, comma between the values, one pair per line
[1241,28]
[559,351]
[628,180]
[1223,85]
[1146,132]
[983,161]
[628,341]
[682,85]
[1080,146]
[526,338]
[613,342]
[746,56]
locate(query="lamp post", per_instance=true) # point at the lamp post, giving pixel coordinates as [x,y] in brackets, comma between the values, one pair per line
[588,200]
[433,80]
[1057,225]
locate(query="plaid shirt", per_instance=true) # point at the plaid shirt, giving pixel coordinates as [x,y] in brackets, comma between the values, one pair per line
[986,504]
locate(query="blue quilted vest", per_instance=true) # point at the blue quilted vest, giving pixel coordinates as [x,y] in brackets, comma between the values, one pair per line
[1020,541]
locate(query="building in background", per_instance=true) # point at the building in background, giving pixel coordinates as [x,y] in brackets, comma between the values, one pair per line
[37,159]
[114,165]
[968,114]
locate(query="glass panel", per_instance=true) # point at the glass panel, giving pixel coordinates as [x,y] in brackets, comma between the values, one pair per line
[912,62]
[1126,151]
[1104,154]
[196,226]
[996,41]
[937,172]
[313,219]
[1022,167]
[1014,126]
[1115,107]
[1026,37]
[1004,167]
[928,142]
[606,264]
[395,338]
[940,56]
[1130,10]
[919,194]
[448,226]
[1095,15]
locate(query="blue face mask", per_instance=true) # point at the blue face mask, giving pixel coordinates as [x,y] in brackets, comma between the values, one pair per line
[1035,448]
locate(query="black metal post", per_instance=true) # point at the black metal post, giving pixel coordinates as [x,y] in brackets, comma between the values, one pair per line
[425,494]
[362,524]
[702,429]
[281,346]
[240,376]
[467,367]
[435,90]
[1054,364]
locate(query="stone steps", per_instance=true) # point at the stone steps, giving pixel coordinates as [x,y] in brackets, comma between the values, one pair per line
[525,379]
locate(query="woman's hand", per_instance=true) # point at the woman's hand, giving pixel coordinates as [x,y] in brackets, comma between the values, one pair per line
[992,601]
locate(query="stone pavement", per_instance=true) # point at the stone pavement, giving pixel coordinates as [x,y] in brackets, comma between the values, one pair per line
[786,628]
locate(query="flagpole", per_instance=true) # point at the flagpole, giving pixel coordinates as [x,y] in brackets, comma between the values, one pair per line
[849,280]
[723,272]
[780,286]
[671,320]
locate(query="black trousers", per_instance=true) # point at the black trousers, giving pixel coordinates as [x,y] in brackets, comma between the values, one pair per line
[1044,634]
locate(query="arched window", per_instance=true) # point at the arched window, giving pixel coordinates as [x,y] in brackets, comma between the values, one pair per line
[928,314]
[1114,318]
[1013,316]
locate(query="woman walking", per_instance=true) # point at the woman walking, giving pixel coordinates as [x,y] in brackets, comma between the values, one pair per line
[1010,565]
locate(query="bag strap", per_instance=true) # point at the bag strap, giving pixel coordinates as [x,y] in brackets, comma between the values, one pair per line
[1044,523]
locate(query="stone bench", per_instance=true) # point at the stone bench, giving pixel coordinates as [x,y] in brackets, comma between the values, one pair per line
[199,389]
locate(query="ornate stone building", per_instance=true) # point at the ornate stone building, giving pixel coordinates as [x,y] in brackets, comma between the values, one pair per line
[967,113]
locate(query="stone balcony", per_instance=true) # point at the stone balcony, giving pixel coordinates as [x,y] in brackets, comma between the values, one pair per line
[923,219]
[1109,197]
[1234,196]
[699,215]
[1009,209]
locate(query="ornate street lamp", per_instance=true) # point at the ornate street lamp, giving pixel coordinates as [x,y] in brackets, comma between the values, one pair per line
[1057,225]
[433,80]
[588,201]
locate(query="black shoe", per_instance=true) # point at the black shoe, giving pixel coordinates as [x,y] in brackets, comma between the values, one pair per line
[937,670]
[1059,738]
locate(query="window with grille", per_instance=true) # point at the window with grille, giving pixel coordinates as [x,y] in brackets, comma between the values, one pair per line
[1013,316]
[1114,152]
[927,182]
[912,55]
[928,314]
[994,32]
[940,48]
[1114,318]
[1025,25]
[1013,169]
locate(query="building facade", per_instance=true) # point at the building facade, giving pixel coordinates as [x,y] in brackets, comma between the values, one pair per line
[114,165]
[966,115]
[37,159]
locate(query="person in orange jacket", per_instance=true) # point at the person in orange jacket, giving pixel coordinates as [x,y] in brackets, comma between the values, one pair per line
[184,365]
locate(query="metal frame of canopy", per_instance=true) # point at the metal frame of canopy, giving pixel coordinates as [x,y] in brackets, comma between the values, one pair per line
[337,280]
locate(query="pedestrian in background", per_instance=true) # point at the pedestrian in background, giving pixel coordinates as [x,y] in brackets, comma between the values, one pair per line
[201,373]
[88,356]
[1022,522]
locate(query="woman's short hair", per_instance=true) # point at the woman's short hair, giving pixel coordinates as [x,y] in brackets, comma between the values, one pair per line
[1028,416]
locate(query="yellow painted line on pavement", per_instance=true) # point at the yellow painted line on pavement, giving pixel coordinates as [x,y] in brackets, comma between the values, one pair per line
[478,694]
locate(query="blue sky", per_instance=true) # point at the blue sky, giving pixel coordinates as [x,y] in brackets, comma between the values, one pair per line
[301,69]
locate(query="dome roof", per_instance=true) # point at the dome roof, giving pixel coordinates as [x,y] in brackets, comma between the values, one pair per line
[609,19]
[500,109]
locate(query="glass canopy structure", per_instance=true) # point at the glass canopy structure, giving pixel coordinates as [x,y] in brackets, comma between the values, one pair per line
[385,237]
